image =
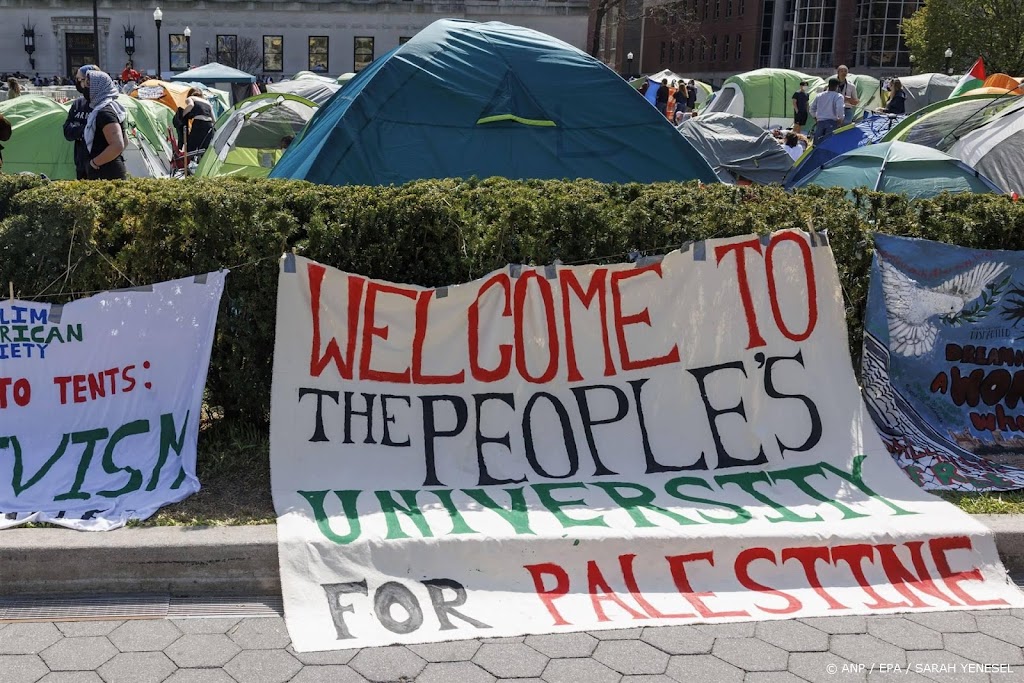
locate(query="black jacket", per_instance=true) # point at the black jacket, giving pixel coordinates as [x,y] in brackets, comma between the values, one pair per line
[74,131]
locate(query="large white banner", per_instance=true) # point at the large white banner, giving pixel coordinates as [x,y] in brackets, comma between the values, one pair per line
[567,448]
[100,402]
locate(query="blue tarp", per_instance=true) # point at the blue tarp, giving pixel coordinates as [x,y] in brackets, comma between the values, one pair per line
[466,99]
[943,339]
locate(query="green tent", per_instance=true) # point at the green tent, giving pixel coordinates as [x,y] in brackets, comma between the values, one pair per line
[899,168]
[942,124]
[248,137]
[764,96]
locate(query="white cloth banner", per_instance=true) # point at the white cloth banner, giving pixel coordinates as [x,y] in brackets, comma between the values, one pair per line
[100,402]
[568,448]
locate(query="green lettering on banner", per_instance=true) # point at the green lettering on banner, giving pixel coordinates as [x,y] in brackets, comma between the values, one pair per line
[19,466]
[168,440]
[75,332]
[747,480]
[516,515]
[54,334]
[672,489]
[544,492]
[855,478]
[134,475]
[798,475]
[89,438]
[643,500]
[459,525]
[391,508]
[348,500]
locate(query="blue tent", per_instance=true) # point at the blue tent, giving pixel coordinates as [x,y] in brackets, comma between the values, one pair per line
[466,99]
[865,132]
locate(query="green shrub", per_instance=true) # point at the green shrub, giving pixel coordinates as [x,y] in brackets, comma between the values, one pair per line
[57,239]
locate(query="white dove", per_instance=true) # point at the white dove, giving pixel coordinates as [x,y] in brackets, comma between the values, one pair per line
[913,310]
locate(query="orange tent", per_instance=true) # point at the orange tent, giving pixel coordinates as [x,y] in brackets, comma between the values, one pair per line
[988,90]
[172,95]
[1000,81]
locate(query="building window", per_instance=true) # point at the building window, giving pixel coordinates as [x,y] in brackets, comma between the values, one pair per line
[742,6]
[714,48]
[318,54]
[362,50]
[227,50]
[662,54]
[703,49]
[692,49]
[728,8]
[178,51]
[273,53]
[725,48]
[704,15]
[402,40]
[739,46]
[718,8]
[672,51]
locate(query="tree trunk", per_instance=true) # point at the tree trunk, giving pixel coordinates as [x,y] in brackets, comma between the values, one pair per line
[595,37]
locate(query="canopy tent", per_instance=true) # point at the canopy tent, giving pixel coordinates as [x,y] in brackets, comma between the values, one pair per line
[899,168]
[248,138]
[314,89]
[941,124]
[871,129]
[237,82]
[527,106]
[37,143]
[764,96]
[925,89]
[997,150]
[737,148]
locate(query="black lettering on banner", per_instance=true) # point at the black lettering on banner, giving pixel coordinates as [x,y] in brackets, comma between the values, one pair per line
[653,466]
[430,431]
[443,607]
[485,477]
[622,409]
[724,459]
[368,414]
[393,593]
[812,410]
[386,439]
[334,592]
[567,436]
[318,429]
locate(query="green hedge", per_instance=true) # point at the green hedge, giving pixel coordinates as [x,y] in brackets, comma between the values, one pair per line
[58,238]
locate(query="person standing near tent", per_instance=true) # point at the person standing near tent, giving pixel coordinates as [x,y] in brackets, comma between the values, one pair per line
[74,126]
[691,95]
[827,108]
[849,92]
[661,99]
[130,75]
[800,100]
[5,135]
[13,89]
[897,99]
[199,112]
[104,129]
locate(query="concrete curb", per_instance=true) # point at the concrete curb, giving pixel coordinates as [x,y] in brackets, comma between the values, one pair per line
[239,560]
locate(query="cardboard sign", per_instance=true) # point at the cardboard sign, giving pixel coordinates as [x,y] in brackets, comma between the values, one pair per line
[100,401]
[556,449]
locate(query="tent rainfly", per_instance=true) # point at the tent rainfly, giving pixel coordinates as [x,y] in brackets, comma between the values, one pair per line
[764,96]
[737,149]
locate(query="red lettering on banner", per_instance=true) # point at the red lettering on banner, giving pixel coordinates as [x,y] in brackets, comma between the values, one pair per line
[479,372]
[901,578]
[741,568]
[548,300]
[600,591]
[643,317]
[755,338]
[812,292]
[939,547]
[317,363]
[677,564]
[370,330]
[419,336]
[807,557]
[853,556]
[626,564]
[549,595]
[595,289]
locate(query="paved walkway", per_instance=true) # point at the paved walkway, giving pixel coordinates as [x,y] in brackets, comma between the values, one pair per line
[942,646]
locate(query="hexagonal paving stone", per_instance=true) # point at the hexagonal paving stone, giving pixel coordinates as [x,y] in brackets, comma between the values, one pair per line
[792,635]
[22,668]
[889,676]
[1004,627]
[199,676]
[381,664]
[144,635]
[71,677]
[678,640]
[578,671]
[750,654]
[772,677]
[645,678]
[75,629]
[861,648]
[28,639]
[263,666]
[325,658]
[740,629]
[447,672]
[266,633]
[945,622]
[78,654]
[563,645]
[836,625]
[202,650]
[981,647]
[824,667]
[455,651]
[514,660]
[631,657]
[905,634]
[213,625]
[688,668]
[943,667]
[327,674]
[618,633]
[137,667]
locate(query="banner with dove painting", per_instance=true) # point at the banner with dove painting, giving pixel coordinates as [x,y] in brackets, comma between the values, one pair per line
[943,368]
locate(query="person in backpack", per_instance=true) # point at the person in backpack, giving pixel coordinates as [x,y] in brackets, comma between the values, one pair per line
[104,133]
[74,125]
[199,112]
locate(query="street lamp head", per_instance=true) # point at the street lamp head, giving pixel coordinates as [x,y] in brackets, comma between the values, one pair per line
[949,53]
[158,16]
[629,56]
[187,32]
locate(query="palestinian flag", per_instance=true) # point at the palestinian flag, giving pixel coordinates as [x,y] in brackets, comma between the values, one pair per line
[971,80]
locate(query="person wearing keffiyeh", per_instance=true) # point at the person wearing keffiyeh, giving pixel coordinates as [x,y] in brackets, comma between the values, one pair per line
[104,129]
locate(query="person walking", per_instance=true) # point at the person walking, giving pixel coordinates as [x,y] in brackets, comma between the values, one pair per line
[74,125]
[800,100]
[827,108]
[849,92]
[104,133]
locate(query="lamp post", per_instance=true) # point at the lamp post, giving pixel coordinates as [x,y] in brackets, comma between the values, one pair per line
[96,33]
[158,18]
[188,47]
[29,34]
[949,61]
[129,41]
[207,53]
[629,64]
